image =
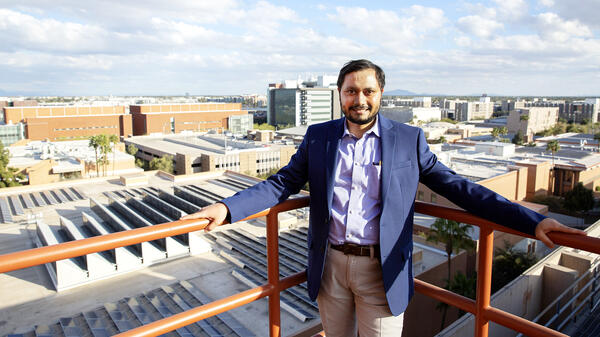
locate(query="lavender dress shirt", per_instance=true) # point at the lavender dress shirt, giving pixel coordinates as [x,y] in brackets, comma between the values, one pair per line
[356,205]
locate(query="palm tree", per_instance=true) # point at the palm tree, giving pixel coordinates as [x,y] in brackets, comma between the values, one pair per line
[454,236]
[508,264]
[95,143]
[114,140]
[553,146]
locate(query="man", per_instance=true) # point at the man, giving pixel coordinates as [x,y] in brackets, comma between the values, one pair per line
[363,172]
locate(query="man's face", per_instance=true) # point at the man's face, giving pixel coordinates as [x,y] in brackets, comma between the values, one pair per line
[360,96]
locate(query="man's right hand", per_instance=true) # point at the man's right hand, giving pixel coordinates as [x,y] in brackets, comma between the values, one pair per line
[215,214]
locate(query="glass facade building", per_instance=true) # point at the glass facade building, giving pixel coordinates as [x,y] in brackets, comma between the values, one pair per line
[12,133]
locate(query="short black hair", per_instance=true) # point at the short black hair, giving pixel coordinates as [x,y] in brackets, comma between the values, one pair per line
[357,65]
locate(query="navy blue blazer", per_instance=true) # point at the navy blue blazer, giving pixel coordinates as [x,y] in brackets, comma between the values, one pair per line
[406,160]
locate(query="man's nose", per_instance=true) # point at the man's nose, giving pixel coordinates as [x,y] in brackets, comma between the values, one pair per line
[361,99]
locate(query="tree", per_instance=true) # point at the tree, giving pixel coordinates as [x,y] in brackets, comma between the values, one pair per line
[524,117]
[518,138]
[164,163]
[508,264]
[553,146]
[442,140]
[105,149]
[95,143]
[131,149]
[464,285]
[496,132]
[597,139]
[9,176]
[114,140]
[454,236]
[579,199]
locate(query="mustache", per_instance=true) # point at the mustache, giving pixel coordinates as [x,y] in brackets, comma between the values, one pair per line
[360,107]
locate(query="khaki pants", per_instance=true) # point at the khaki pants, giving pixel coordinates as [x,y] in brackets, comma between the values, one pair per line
[352,296]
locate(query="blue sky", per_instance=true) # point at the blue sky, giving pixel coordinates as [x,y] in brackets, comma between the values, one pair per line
[155,47]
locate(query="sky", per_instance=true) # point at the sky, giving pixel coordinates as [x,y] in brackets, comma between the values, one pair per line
[223,47]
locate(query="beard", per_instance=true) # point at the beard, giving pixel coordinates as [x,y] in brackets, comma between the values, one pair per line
[358,120]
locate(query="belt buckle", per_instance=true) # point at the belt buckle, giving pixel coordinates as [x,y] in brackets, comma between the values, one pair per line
[347,249]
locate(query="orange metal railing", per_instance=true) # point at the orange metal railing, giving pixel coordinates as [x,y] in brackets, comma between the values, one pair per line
[480,307]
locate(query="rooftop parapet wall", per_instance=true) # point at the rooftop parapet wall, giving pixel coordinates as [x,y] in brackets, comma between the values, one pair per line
[16,114]
[171,108]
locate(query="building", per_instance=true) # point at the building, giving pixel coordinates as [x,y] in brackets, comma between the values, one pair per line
[571,111]
[296,102]
[531,120]
[49,162]
[11,133]
[175,118]
[462,110]
[417,102]
[193,153]
[563,277]
[70,122]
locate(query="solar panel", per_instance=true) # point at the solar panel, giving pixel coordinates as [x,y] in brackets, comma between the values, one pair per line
[26,201]
[47,199]
[69,194]
[16,206]
[37,198]
[77,193]
[59,196]
[5,211]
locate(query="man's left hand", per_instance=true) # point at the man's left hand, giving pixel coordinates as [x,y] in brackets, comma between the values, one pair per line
[551,225]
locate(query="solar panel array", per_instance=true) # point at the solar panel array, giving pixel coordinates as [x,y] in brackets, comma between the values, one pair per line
[131,312]
[249,254]
[15,205]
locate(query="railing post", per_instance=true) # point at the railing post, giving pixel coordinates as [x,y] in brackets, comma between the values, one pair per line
[484,280]
[273,273]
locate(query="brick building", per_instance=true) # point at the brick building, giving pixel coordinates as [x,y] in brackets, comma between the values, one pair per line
[70,122]
[174,118]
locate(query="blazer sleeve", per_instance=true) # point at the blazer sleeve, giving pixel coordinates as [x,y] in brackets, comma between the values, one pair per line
[277,188]
[470,196]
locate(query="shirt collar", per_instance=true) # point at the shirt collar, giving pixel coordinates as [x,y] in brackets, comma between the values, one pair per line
[374,129]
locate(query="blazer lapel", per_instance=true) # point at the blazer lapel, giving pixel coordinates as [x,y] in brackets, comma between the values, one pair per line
[331,157]
[388,150]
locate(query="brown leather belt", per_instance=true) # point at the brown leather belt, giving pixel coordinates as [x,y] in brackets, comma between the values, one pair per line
[358,250]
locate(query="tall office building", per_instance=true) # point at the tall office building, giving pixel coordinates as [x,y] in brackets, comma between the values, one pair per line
[295,103]
[461,110]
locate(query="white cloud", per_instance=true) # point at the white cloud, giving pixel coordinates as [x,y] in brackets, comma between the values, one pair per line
[19,30]
[511,10]
[585,11]
[482,27]
[551,27]
[546,3]
[388,27]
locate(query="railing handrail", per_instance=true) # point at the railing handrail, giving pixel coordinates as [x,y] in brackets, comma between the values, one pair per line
[480,307]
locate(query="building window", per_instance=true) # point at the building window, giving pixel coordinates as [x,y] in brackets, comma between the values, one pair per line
[420,195]
[433,198]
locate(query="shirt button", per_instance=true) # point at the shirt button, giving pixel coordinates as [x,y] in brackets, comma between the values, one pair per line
[356,164]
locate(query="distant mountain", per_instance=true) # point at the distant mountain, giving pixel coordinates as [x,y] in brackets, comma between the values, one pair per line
[398,92]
